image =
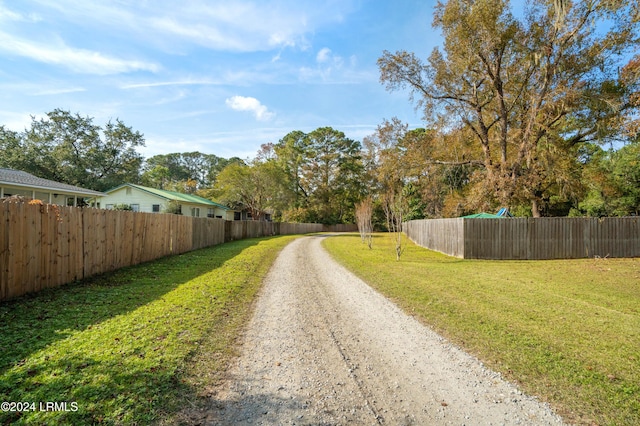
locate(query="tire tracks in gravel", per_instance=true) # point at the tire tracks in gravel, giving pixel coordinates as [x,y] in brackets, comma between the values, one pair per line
[324,348]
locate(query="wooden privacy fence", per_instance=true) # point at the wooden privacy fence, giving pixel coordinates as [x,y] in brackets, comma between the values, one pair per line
[237,230]
[528,238]
[43,246]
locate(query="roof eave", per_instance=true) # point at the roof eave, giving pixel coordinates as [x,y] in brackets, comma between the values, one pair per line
[87,192]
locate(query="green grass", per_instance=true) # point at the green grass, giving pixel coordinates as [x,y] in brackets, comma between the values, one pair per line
[135,346]
[567,331]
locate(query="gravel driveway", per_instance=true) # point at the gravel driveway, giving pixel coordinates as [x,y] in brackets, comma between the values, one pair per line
[323,348]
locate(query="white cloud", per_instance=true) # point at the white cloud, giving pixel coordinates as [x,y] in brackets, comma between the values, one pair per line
[333,69]
[6,14]
[78,60]
[233,26]
[242,103]
[185,82]
[323,55]
[16,121]
[59,91]
[326,57]
[239,25]
[277,57]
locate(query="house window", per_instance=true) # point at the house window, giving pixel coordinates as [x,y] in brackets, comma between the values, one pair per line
[236,216]
[135,207]
[210,213]
[195,211]
[155,208]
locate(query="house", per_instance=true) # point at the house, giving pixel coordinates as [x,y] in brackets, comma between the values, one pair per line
[245,214]
[16,182]
[151,200]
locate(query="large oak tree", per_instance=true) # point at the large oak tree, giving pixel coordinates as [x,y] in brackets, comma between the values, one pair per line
[531,87]
[70,148]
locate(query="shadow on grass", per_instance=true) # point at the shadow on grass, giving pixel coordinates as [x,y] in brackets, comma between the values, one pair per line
[30,323]
[110,389]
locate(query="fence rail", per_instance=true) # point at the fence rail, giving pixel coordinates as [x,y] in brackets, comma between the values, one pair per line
[43,246]
[528,238]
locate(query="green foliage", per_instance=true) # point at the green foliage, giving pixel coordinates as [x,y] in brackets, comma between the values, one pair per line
[156,176]
[612,182]
[593,205]
[315,177]
[626,176]
[332,174]
[290,152]
[174,171]
[415,205]
[173,207]
[72,149]
[259,187]
[124,207]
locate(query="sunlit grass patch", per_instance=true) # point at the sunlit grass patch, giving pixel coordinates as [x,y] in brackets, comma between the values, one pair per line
[565,330]
[125,346]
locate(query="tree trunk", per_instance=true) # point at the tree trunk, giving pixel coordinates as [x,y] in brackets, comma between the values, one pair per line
[535,209]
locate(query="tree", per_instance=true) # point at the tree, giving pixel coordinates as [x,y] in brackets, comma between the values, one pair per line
[236,189]
[258,187]
[12,149]
[291,154]
[332,175]
[116,160]
[157,176]
[71,149]
[183,172]
[401,160]
[530,90]
[611,182]
[395,207]
[324,172]
[626,176]
[364,213]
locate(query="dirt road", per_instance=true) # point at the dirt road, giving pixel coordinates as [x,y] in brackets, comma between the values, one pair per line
[323,348]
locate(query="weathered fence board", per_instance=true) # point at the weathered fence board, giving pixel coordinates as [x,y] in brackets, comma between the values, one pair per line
[529,238]
[207,232]
[300,228]
[443,235]
[46,246]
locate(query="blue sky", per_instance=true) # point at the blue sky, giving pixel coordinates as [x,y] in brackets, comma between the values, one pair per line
[219,77]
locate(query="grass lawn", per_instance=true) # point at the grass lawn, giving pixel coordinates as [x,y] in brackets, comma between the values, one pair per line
[567,331]
[132,347]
